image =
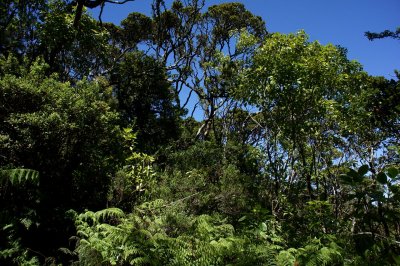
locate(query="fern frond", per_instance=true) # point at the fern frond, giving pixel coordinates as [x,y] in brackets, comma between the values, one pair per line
[109,214]
[19,176]
[66,251]
[87,216]
[287,257]
[140,261]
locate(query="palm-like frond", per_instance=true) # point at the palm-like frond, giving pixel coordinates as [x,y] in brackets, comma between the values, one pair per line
[19,176]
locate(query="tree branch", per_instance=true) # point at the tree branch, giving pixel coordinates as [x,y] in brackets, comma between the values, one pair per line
[93,4]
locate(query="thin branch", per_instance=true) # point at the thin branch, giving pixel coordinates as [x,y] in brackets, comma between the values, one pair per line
[101,13]
[187,99]
[194,109]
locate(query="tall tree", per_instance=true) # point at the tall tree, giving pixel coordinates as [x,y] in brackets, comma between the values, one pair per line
[297,86]
[199,49]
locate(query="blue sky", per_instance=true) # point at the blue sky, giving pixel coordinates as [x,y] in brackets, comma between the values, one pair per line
[341,22]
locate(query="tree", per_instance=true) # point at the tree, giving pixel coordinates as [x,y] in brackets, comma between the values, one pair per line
[19,20]
[384,34]
[80,4]
[74,53]
[220,58]
[383,104]
[297,86]
[145,100]
[144,97]
[199,50]
[70,134]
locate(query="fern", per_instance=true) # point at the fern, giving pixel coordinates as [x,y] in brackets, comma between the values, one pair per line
[17,215]
[14,251]
[19,176]
[155,235]
[109,214]
[323,251]
[287,257]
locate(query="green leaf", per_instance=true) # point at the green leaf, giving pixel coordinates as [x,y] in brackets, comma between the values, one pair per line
[242,218]
[346,179]
[382,178]
[392,172]
[363,170]
[263,227]
[352,173]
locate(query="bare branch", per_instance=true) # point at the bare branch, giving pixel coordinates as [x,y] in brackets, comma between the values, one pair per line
[187,99]
[118,2]
[101,13]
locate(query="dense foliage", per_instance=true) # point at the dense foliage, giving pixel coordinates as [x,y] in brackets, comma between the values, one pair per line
[296,162]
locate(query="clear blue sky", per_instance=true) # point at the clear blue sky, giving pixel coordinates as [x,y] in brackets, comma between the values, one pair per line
[341,22]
